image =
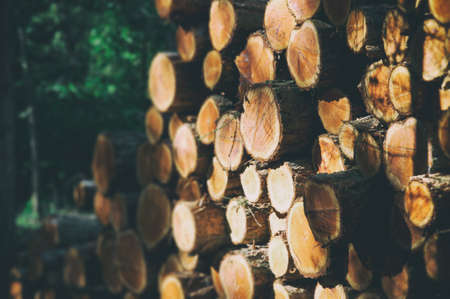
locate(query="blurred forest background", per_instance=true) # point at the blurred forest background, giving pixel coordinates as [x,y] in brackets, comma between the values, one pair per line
[80,67]
[70,69]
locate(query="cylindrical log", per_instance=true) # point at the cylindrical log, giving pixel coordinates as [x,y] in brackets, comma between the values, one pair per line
[162,162]
[337,292]
[409,5]
[368,152]
[396,33]
[181,10]
[440,9]
[217,284]
[278,24]
[443,132]
[277,224]
[155,123]
[191,157]
[228,143]
[277,119]
[434,57]
[337,11]
[199,227]
[106,251]
[427,200]
[334,108]
[222,184]
[123,211]
[171,265]
[285,291]
[144,164]
[174,123]
[363,30]
[233,20]
[374,89]
[70,229]
[189,189]
[257,63]
[436,258]
[286,183]
[280,260]
[189,262]
[327,156]
[192,43]
[303,9]
[358,276]
[245,273]
[180,285]
[210,112]
[111,165]
[312,54]
[405,91]
[350,130]
[84,193]
[248,224]
[333,202]
[220,73]
[153,215]
[311,259]
[131,262]
[253,182]
[444,92]
[171,85]
[404,152]
[408,236]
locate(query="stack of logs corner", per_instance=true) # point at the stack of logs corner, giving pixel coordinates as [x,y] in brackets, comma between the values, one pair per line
[293,149]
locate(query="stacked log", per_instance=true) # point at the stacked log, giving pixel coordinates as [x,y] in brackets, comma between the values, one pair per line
[266,170]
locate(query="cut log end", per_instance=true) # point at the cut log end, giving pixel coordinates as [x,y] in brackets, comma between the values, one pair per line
[188,261]
[237,220]
[154,125]
[327,156]
[444,91]
[435,58]
[228,143]
[356,31]
[358,276]
[347,138]
[281,188]
[252,184]
[400,90]
[278,254]
[440,9]
[218,181]
[106,251]
[396,286]
[153,215]
[171,288]
[131,262]
[185,151]
[236,277]
[435,254]
[102,208]
[184,228]
[256,63]
[395,34]
[334,109]
[368,154]
[337,292]
[172,264]
[303,9]
[418,204]
[310,258]
[174,123]
[261,124]
[323,211]
[337,11]
[119,212]
[162,162]
[189,189]
[222,23]
[444,133]
[284,291]
[303,55]
[144,164]
[212,69]
[186,46]
[278,23]
[217,283]
[163,8]
[162,82]
[103,163]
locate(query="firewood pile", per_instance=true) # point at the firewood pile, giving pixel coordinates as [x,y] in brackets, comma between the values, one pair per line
[293,149]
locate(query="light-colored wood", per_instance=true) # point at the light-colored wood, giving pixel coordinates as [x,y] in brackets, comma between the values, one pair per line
[434,55]
[327,156]
[228,143]
[278,24]
[222,184]
[253,182]
[358,276]
[334,108]
[396,33]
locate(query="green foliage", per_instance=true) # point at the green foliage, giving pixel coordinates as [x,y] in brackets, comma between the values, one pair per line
[88,63]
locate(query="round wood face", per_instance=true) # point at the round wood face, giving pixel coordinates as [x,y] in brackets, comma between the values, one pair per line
[222,22]
[162,82]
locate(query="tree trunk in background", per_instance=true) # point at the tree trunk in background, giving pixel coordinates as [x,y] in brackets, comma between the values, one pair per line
[7,157]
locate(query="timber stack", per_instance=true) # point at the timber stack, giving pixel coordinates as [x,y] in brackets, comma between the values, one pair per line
[292,149]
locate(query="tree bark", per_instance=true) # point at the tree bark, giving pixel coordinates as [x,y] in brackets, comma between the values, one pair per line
[171,86]
[334,108]
[303,10]
[396,35]
[439,10]
[358,276]
[162,162]
[277,120]
[443,132]
[199,227]
[222,184]
[185,11]
[433,58]
[368,152]
[102,208]
[444,93]
[280,260]
[252,267]
[435,254]
[210,112]
[278,24]
[248,224]
[111,165]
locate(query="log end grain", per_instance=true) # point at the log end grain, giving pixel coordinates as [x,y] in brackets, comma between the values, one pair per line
[237,220]
[154,125]
[253,184]
[163,8]
[303,9]
[217,283]
[334,109]
[162,162]
[228,143]
[435,57]
[368,154]
[212,69]
[174,123]
[189,189]
[358,276]
[162,82]
[278,23]
[336,292]
[144,164]
[222,23]
[184,227]
[102,208]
